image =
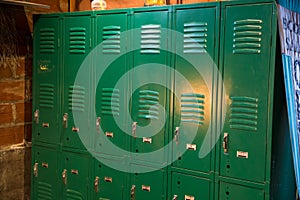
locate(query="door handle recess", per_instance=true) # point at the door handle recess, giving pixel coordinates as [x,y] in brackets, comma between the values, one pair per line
[96,184]
[225,142]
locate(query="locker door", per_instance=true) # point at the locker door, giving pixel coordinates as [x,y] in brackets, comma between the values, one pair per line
[148,186]
[195,56]
[110,102]
[149,99]
[246,79]
[75,176]
[189,187]
[77,36]
[47,69]
[109,183]
[230,191]
[44,173]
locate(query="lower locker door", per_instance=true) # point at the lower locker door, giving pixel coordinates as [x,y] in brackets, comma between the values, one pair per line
[187,187]
[230,191]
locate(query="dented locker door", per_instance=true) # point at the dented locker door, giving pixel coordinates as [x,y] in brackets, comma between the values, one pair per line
[150,82]
[77,44]
[74,176]
[188,187]
[109,183]
[195,85]
[147,186]
[44,173]
[111,67]
[229,191]
[246,78]
[47,70]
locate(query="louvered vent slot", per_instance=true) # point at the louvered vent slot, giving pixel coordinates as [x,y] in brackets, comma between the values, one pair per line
[76,98]
[150,39]
[111,39]
[77,39]
[44,191]
[47,41]
[192,108]
[247,36]
[74,195]
[110,102]
[148,104]
[195,37]
[46,95]
[243,113]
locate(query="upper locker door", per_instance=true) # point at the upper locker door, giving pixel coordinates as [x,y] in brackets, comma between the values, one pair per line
[46,96]
[194,77]
[150,82]
[77,44]
[110,67]
[246,71]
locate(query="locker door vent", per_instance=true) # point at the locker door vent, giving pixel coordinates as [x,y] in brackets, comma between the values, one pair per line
[192,108]
[74,195]
[111,40]
[76,98]
[47,41]
[195,37]
[150,39]
[148,104]
[247,36]
[44,191]
[46,95]
[77,38]
[110,102]
[243,113]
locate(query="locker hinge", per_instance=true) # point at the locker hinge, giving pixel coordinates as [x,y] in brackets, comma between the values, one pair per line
[36,116]
[65,120]
[133,131]
[225,143]
[64,176]
[132,192]
[35,169]
[175,197]
[98,124]
[176,135]
[96,184]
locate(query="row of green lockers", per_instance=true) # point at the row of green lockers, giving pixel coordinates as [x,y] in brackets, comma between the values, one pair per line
[204,131]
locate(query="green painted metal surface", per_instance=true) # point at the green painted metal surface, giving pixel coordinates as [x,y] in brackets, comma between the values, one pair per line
[46,90]
[246,78]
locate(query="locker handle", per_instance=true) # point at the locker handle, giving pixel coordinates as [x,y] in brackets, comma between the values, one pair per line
[175,197]
[36,116]
[146,188]
[132,192]
[75,129]
[45,165]
[176,135]
[98,124]
[64,176]
[96,184]
[65,120]
[108,179]
[133,131]
[46,125]
[188,197]
[35,169]
[225,142]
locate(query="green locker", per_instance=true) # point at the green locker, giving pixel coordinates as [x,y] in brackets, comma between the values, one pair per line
[188,187]
[147,186]
[247,74]
[108,183]
[149,96]
[196,33]
[44,173]
[47,70]
[111,43]
[234,191]
[75,173]
[76,46]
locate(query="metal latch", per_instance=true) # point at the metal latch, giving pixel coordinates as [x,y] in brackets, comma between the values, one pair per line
[98,124]
[36,169]
[146,188]
[64,176]
[108,179]
[176,135]
[188,197]
[75,129]
[191,147]
[45,165]
[225,143]
[175,197]
[45,125]
[147,140]
[65,120]
[132,192]
[133,131]
[36,116]
[109,134]
[96,184]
